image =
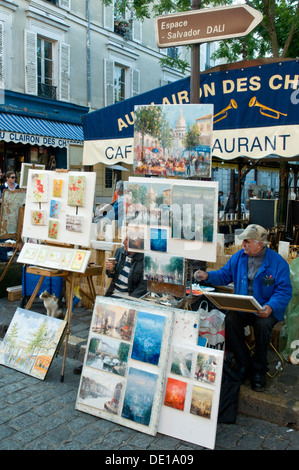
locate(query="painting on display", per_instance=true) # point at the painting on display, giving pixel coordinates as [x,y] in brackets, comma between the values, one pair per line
[66,201]
[56,257]
[192,393]
[30,342]
[11,203]
[173,140]
[125,363]
[164,268]
[175,217]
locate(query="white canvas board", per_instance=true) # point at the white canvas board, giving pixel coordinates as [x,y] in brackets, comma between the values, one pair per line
[55,203]
[55,257]
[185,326]
[206,217]
[125,363]
[191,394]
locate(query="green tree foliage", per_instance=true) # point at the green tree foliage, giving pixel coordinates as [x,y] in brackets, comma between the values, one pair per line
[277,35]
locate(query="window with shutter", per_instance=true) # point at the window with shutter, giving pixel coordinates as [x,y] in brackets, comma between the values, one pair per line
[64,71]
[2,77]
[30,62]
[135,82]
[108,82]
[109,17]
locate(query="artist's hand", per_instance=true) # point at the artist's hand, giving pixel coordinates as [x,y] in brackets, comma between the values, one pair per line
[110,266]
[265,312]
[201,275]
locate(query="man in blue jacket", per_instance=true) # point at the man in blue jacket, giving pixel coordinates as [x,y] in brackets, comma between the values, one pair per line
[261,272]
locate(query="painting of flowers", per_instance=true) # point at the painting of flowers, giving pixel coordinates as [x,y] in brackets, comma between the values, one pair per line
[57,187]
[40,187]
[38,217]
[53,229]
[54,208]
[76,190]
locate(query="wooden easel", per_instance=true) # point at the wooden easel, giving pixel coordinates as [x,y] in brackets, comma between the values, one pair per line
[70,277]
[16,246]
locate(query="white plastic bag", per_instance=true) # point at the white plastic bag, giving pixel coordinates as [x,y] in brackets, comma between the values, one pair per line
[212,326]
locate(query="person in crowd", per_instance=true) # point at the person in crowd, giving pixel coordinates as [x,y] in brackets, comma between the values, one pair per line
[261,272]
[119,190]
[126,273]
[10,184]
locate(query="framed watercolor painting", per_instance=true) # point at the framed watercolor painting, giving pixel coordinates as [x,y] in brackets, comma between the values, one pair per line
[125,363]
[30,342]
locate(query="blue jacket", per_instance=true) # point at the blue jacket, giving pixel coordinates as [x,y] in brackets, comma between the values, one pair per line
[271,286]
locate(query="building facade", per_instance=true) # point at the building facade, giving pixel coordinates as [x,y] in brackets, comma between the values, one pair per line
[60,59]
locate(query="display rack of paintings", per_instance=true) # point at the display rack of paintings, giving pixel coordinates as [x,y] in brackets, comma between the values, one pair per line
[59,206]
[171,217]
[173,140]
[30,342]
[192,393]
[55,257]
[125,363]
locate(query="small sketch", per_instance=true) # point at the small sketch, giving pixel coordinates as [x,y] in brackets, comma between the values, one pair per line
[74,223]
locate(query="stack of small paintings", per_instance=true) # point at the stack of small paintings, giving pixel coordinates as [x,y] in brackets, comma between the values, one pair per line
[30,342]
[56,257]
[59,206]
[171,217]
[192,393]
[125,363]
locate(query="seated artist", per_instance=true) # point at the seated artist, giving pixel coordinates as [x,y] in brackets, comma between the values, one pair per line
[261,272]
[127,276]
[126,272]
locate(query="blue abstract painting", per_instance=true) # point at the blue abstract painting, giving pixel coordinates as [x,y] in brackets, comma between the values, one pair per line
[159,239]
[139,396]
[148,337]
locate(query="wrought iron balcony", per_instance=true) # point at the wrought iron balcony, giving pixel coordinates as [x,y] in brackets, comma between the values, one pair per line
[47,91]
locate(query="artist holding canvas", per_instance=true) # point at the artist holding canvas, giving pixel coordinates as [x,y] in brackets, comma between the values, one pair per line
[261,272]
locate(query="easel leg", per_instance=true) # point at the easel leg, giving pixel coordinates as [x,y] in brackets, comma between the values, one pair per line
[34,293]
[68,319]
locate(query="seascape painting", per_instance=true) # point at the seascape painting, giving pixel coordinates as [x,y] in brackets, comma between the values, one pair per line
[30,342]
[148,337]
[173,140]
[139,396]
[164,268]
[108,354]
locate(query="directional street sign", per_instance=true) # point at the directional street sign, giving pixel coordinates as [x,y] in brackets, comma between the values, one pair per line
[206,25]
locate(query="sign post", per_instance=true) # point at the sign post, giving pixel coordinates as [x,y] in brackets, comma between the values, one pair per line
[206,25]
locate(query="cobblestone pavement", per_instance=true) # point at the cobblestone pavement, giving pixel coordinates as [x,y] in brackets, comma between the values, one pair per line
[41,415]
